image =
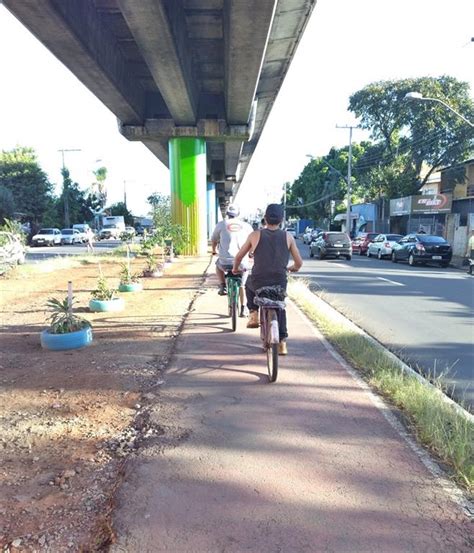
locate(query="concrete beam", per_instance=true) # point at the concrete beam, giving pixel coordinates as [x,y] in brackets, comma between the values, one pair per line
[210,129]
[247,25]
[232,157]
[75,35]
[159,30]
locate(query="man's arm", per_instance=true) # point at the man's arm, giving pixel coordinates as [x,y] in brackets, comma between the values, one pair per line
[244,250]
[295,254]
[215,239]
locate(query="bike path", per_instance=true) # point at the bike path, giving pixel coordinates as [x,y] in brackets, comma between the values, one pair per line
[308,464]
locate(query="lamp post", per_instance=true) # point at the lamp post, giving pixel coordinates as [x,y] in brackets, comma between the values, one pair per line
[418,97]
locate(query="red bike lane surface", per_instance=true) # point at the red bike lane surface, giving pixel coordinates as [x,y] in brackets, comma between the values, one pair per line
[306,464]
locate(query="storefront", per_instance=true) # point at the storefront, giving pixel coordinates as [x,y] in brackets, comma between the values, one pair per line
[425,213]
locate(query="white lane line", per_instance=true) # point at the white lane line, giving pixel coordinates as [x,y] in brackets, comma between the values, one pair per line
[391,281]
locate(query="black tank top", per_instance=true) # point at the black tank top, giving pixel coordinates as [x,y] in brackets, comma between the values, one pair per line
[270,259]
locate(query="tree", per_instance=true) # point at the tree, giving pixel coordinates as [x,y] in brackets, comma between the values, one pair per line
[7,204]
[121,209]
[99,189]
[22,175]
[323,181]
[72,205]
[165,229]
[413,135]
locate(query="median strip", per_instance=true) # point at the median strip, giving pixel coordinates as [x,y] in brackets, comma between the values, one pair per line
[440,424]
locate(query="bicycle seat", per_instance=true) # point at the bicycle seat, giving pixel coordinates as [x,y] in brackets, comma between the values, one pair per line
[230,274]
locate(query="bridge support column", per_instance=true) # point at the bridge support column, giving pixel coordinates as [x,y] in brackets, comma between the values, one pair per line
[187,162]
[211,208]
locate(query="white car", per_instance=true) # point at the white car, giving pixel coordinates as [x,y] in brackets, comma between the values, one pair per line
[47,237]
[382,245]
[12,250]
[70,236]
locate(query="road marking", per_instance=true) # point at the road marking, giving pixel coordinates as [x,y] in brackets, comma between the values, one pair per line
[391,281]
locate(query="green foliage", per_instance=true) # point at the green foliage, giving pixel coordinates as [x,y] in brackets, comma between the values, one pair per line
[417,133]
[7,203]
[30,188]
[99,194]
[322,181]
[103,292]
[152,264]
[165,229]
[121,209]
[15,228]
[62,320]
[126,275]
[78,209]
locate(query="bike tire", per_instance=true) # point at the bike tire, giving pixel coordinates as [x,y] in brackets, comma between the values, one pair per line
[272,362]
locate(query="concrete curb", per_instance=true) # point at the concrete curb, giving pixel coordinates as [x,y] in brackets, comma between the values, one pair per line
[336,317]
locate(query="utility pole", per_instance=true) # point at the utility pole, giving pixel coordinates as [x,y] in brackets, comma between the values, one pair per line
[349,177]
[67,222]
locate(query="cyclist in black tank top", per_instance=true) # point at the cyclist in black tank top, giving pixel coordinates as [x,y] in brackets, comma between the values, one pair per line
[272,248]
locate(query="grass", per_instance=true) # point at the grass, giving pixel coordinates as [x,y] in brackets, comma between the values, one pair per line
[438,425]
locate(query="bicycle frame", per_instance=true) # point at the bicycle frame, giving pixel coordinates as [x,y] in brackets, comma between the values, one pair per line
[233,283]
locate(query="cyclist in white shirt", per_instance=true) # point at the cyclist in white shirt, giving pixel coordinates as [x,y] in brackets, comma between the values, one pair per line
[228,237]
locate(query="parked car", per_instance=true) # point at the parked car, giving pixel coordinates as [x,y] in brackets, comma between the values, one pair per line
[47,237]
[362,241]
[422,248]
[307,235]
[84,231]
[12,249]
[382,245]
[70,236]
[130,230]
[336,244]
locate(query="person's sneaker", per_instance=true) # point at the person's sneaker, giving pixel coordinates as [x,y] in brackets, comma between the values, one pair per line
[282,348]
[244,312]
[222,290]
[253,320]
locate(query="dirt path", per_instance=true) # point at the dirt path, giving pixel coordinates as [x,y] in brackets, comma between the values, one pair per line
[308,464]
[69,419]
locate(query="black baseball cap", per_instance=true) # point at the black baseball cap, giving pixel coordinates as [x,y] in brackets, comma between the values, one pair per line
[274,214]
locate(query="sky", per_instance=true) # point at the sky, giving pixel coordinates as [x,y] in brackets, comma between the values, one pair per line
[347,45]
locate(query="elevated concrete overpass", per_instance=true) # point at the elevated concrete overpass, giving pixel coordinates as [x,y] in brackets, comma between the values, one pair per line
[194,80]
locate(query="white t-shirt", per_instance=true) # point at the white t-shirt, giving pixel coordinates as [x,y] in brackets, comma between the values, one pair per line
[231,235]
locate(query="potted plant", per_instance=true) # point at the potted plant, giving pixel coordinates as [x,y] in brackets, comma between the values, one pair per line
[129,282]
[66,330]
[153,268]
[105,298]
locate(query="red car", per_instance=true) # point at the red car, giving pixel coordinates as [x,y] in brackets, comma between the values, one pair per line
[361,242]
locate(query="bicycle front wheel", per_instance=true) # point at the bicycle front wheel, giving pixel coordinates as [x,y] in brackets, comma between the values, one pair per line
[233,314]
[272,362]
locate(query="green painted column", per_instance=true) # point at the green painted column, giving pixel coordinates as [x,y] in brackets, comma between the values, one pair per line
[187,162]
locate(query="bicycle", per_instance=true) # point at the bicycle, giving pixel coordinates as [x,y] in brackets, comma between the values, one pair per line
[269,330]
[233,284]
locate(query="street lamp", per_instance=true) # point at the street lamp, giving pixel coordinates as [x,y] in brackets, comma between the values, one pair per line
[418,97]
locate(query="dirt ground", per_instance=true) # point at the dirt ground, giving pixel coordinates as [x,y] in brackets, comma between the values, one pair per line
[69,419]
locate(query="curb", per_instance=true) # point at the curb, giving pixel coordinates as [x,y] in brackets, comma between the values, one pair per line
[338,318]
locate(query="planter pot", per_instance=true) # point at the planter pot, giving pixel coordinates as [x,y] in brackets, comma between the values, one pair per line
[152,274]
[71,340]
[117,304]
[132,287]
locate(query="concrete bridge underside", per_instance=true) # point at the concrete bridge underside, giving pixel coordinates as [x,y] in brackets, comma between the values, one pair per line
[178,69]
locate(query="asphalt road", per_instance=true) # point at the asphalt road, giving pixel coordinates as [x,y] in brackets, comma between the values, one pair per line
[424,314]
[47,252]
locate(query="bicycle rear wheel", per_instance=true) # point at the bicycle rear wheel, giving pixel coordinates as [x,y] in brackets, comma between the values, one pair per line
[272,362]
[272,345]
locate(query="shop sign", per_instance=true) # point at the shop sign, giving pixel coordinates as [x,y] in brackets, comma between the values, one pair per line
[400,206]
[432,203]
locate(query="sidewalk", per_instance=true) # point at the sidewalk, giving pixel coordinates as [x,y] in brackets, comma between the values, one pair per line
[308,464]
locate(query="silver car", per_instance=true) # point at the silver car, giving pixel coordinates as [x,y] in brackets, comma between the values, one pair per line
[382,245]
[70,236]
